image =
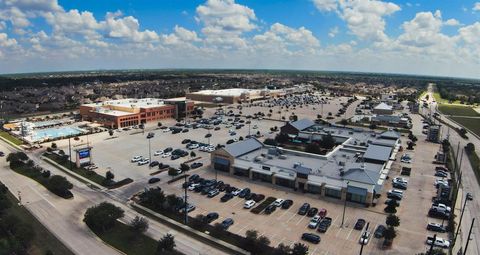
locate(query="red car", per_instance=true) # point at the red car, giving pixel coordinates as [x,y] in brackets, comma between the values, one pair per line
[322,213]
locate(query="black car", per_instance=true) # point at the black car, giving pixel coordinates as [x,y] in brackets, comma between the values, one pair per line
[271,208]
[441,174]
[198,188]
[304,209]
[227,223]
[309,237]
[174,157]
[380,231]
[185,130]
[324,224]
[207,189]
[287,203]
[438,214]
[398,185]
[436,227]
[210,217]
[250,196]
[210,183]
[216,128]
[168,149]
[230,141]
[394,196]
[359,224]
[244,192]
[193,177]
[223,187]
[163,166]
[186,184]
[153,180]
[226,197]
[312,212]
[2,154]
[154,163]
[185,141]
[196,165]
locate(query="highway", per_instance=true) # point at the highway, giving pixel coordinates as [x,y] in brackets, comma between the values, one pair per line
[64,217]
[469,181]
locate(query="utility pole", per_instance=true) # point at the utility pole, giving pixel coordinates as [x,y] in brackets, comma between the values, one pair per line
[431,245]
[467,198]
[70,153]
[364,236]
[469,234]
[344,206]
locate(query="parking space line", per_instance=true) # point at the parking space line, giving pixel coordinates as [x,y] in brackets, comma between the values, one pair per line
[314,250]
[239,201]
[289,219]
[286,211]
[349,233]
[298,222]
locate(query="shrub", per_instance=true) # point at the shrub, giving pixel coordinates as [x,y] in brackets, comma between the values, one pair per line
[103,216]
[259,208]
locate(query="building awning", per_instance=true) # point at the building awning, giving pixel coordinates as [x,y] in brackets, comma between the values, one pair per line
[333,187]
[260,171]
[357,191]
[314,183]
[221,161]
[389,164]
[287,177]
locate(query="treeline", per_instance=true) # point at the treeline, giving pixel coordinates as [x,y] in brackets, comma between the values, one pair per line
[465,92]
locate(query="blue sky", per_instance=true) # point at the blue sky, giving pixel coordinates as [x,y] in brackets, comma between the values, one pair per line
[419,37]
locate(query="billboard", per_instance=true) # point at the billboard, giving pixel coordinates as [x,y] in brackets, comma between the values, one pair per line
[85,153]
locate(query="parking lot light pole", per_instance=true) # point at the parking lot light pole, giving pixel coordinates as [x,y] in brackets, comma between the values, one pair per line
[469,197]
[149,149]
[364,235]
[186,211]
[344,207]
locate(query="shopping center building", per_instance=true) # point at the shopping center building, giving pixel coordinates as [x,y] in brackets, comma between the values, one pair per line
[354,170]
[130,112]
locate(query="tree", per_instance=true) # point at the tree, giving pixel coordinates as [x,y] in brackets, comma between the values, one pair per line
[193,154]
[282,249]
[109,175]
[159,124]
[54,146]
[139,225]
[327,142]
[281,138]
[469,148]
[167,243]
[270,141]
[391,206]
[172,171]
[300,249]
[59,185]
[102,216]
[184,167]
[392,220]
[110,132]
[372,126]
[344,122]
[390,233]
[313,148]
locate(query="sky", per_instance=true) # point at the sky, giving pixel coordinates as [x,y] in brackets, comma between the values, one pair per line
[423,37]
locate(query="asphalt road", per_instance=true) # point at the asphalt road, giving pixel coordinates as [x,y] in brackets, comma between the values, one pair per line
[469,182]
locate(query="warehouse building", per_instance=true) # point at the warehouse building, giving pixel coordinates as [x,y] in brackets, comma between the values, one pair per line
[131,112]
[354,170]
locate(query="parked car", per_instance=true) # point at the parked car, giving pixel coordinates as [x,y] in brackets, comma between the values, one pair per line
[163,166]
[322,213]
[213,192]
[271,208]
[304,209]
[380,231]
[438,241]
[249,204]
[226,223]
[309,237]
[190,208]
[143,162]
[364,238]
[278,202]
[157,153]
[226,197]
[174,157]
[287,203]
[324,224]
[193,177]
[258,198]
[436,227]
[206,190]
[136,159]
[154,163]
[314,222]
[312,212]
[153,180]
[168,149]
[236,192]
[359,224]
[440,206]
[439,214]
[387,201]
[399,185]
[243,192]
[185,141]
[210,217]
[196,165]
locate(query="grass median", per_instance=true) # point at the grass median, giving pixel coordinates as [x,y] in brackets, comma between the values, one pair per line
[91,175]
[471,124]
[11,138]
[458,110]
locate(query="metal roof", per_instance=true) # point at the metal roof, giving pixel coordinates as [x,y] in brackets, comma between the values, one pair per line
[302,124]
[363,172]
[242,147]
[377,152]
[390,134]
[383,106]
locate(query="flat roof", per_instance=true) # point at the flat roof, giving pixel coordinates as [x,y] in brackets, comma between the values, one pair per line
[225,92]
[131,102]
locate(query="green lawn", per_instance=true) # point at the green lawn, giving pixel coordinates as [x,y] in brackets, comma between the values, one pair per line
[475,163]
[11,138]
[91,175]
[122,238]
[43,240]
[469,123]
[457,110]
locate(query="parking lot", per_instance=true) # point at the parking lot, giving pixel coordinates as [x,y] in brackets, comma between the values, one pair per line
[113,153]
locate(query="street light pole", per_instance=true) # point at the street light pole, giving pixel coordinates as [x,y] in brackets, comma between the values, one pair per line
[70,152]
[467,198]
[469,234]
[344,207]
[185,208]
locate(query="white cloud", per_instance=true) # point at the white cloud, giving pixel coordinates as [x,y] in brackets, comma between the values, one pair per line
[452,22]
[73,21]
[471,34]
[181,36]
[225,21]
[476,6]
[326,5]
[7,42]
[333,32]
[3,25]
[365,18]
[35,5]
[127,28]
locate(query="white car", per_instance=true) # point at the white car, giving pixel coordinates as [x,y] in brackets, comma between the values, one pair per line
[210,149]
[255,126]
[364,238]
[166,130]
[441,181]
[192,186]
[438,242]
[278,202]
[166,155]
[236,192]
[136,159]
[143,162]
[314,222]
[400,179]
[157,153]
[192,146]
[395,191]
[249,204]
[442,207]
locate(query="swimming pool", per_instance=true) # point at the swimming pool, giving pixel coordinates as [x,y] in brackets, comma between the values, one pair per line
[52,133]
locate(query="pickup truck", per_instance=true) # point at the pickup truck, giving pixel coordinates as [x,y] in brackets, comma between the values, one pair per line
[440,207]
[440,242]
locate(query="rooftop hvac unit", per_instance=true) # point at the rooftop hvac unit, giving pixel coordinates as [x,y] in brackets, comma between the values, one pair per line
[341,163]
[344,155]
[258,158]
[342,173]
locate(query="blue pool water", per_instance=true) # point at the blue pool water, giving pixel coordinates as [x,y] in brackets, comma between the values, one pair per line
[52,133]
